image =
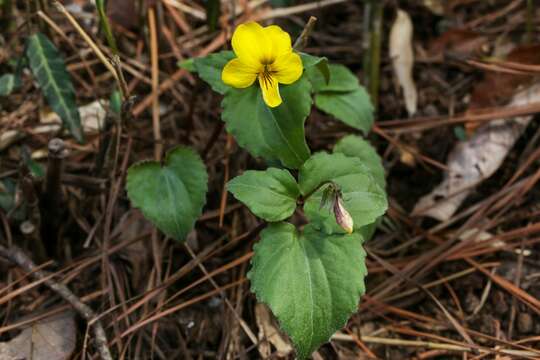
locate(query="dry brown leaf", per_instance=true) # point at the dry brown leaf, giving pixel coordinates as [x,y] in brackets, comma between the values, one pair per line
[402,55]
[476,159]
[50,339]
[436,6]
[505,84]
[270,333]
[137,253]
[458,42]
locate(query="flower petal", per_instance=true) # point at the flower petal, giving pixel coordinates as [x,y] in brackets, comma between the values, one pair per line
[287,68]
[251,44]
[270,90]
[238,75]
[280,40]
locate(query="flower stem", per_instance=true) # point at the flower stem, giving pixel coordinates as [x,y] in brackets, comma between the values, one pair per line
[301,42]
[308,195]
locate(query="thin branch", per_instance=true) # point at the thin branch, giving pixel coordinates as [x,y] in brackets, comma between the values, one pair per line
[302,40]
[158,150]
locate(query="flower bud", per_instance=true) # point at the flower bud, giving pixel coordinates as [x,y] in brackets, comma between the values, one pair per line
[343,218]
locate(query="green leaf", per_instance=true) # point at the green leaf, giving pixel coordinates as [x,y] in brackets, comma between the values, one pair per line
[269,194]
[353,108]
[209,69]
[273,133]
[316,66]
[115,102]
[309,61]
[363,198]
[355,146]
[50,72]
[7,84]
[310,280]
[360,148]
[341,79]
[188,64]
[170,196]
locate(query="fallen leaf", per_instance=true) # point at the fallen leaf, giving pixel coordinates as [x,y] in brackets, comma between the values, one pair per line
[476,159]
[52,338]
[92,118]
[9,137]
[402,55]
[269,333]
[137,253]
[484,93]
[459,43]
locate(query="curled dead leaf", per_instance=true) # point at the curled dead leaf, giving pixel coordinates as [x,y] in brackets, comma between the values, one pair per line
[402,55]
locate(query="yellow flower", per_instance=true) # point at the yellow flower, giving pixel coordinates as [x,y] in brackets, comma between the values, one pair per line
[264,53]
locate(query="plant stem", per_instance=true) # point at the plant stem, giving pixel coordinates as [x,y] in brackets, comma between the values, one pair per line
[31,227]
[530,23]
[376,54]
[366,35]
[52,193]
[158,142]
[308,195]
[112,69]
[301,42]
[373,15]
[105,26]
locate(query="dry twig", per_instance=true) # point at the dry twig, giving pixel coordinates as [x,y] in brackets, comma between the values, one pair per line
[17,257]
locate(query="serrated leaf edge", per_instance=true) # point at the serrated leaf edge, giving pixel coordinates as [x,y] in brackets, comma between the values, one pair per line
[350,311]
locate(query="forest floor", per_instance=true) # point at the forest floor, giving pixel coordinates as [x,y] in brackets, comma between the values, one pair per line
[435,256]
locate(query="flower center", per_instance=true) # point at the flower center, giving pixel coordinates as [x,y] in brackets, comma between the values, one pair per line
[266,77]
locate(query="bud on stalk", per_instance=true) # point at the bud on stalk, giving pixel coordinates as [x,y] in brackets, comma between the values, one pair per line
[343,218]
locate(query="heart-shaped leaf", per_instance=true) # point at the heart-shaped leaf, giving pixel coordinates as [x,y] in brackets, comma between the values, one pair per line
[170,196]
[362,197]
[355,146]
[270,194]
[312,281]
